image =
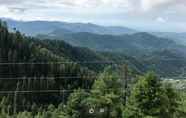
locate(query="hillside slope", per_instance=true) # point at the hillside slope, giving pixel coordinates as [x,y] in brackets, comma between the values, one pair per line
[144,47]
[179,38]
[135,44]
[45,27]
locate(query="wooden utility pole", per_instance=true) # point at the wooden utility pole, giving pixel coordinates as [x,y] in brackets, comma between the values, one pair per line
[125,82]
[15,98]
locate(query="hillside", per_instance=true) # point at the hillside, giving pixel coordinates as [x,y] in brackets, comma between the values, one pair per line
[45,27]
[154,53]
[27,65]
[168,63]
[17,48]
[179,38]
[138,50]
[35,76]
[135,44]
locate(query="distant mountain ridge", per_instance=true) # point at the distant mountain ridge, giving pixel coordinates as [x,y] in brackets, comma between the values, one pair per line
[133,44]
[180,38]
[143,51]
[33,28]
[44,27]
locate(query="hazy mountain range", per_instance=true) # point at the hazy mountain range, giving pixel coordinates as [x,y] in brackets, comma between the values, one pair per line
[101,38]
[45,27]
[177,37]
[132,44]
[155,51]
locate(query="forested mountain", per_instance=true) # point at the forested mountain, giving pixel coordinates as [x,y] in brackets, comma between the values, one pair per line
[130,48]
[30,64]
[26,65]
[45,27]
[180,38]
[29,49]
[135,44]
[94,60]
[168,63]
[47,78]
[146,48]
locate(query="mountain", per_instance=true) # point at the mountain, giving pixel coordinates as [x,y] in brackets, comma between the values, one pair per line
[144,50]
[179,38]
[138,50]
[16,47]
[30,64]
[134,44]
[168,63]
[45,27]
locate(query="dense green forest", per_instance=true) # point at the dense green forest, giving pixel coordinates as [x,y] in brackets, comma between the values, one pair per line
[27,65]
[52,79]
[155,53]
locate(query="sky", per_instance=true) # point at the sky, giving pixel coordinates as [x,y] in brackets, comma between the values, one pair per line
[151,15]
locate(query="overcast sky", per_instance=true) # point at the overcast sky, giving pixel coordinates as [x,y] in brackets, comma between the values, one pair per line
[160,15]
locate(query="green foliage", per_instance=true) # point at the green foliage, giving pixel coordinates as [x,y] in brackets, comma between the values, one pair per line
[140,43]
[150,99]
[75,106]
[107,93]
[105,99]
[150,51]
[17,48]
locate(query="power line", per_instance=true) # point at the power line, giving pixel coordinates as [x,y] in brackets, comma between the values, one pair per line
[67,90]
[35,91]
[47,91]
[42,63]
[47,78]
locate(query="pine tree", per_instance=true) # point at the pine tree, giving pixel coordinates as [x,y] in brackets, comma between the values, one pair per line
[106,96]
[150,99]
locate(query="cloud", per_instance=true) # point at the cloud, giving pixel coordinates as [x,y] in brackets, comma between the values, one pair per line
[105,11]
[10,2]
[83,8]
[161,20]
[125,5]
[68,3]
[148,5]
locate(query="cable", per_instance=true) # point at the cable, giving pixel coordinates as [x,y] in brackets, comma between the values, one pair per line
[40,63]
[47,78]
[53,91]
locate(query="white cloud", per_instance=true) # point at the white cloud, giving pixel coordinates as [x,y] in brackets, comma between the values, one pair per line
[161,20]
[124,5]
[148,5]
[69,3]
[10,2]
[76,3]
[50,8]
[95,10]
[116,3]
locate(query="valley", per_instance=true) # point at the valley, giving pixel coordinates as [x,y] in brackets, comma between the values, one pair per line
[67,74]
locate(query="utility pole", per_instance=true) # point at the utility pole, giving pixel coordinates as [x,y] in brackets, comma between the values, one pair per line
[15,98]
[125,82]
